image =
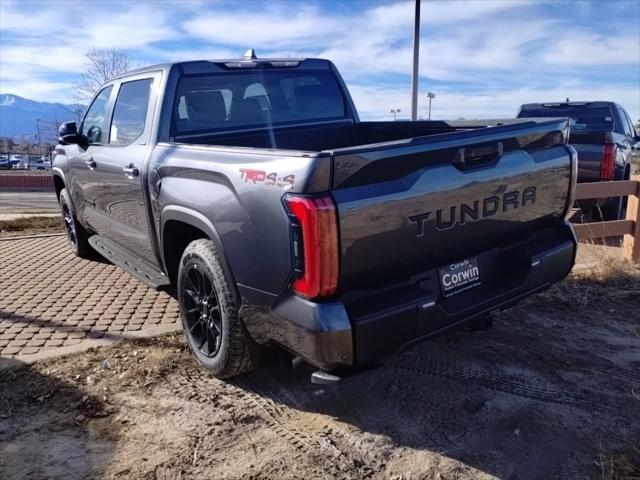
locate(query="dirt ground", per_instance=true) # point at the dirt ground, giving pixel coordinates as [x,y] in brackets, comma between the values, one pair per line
[552,391]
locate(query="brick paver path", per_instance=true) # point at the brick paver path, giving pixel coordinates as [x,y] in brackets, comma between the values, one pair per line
[49,298]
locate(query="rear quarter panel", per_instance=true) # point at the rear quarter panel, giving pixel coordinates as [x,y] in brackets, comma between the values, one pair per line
[240,192]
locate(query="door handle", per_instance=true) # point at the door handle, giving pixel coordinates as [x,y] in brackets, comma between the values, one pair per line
[91,163]
[131,171]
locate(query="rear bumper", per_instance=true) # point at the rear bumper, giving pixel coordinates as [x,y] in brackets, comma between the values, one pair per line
[361,328]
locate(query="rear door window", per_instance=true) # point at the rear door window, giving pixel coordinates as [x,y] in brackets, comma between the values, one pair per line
[95,121]
[130,111]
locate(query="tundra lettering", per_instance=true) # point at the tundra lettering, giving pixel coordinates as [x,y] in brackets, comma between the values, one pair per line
[490,207]
[253,192]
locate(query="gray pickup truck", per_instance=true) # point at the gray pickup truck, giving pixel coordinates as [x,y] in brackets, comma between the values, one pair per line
[606,141]
[251,190]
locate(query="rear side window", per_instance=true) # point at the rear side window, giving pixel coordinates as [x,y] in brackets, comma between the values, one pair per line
[95,121]
[255,99]
[582,117]
[130,111]
[633,128]
[627,126]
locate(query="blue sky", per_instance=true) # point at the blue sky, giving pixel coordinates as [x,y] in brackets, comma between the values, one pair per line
[480,58]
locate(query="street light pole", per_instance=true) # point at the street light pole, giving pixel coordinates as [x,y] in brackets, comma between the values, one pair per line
[430,96]
[416,60]
[394,111]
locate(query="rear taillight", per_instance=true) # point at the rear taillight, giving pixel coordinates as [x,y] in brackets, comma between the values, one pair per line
[315,238]
[608,161]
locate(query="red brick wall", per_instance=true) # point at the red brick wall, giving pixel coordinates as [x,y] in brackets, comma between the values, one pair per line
[26,181]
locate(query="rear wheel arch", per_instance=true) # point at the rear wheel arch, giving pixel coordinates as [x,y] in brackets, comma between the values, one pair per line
[179,227]
[58,184]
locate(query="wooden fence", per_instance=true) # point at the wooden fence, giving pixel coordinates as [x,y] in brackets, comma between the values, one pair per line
[630,227]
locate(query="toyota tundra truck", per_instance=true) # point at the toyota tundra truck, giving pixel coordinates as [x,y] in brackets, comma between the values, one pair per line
[606,141]
[250,189]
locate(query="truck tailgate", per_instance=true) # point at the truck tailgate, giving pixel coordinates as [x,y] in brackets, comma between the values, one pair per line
[407,206]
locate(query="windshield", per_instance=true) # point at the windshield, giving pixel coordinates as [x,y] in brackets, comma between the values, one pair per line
[581,117]
[253,99]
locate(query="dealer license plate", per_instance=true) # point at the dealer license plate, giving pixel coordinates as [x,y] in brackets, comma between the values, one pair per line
[460,276]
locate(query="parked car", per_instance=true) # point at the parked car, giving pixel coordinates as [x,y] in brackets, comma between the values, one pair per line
[604,137]
[14,160]
[252,187]
[21,164]
[4,162]
[41,164]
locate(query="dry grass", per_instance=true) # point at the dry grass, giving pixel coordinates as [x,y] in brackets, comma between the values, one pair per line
[620,465]
[30,226]
[610,283]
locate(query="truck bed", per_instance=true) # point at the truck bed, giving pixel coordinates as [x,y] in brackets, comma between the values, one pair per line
[342,134]
[401,187]
[335,135]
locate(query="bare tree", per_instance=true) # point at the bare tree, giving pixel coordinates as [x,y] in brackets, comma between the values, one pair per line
[100,65]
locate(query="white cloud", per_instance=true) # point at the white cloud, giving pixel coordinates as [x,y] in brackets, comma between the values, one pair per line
[139,25]
[591,49]
[275,27]
[510,50]
[37,89]
[375,102]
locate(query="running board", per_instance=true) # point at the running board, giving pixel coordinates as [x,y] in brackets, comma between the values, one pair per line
[134,266]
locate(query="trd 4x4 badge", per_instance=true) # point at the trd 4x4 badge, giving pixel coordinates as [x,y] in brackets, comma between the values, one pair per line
[260,176]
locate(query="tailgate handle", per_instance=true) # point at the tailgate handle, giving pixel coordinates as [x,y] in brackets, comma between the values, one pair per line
[478,155]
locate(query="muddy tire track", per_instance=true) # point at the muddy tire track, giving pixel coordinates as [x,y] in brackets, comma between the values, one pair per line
[318,436]
[510,339]
[504,383]
[311,435]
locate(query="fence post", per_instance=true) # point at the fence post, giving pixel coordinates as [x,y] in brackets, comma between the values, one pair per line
[631,244]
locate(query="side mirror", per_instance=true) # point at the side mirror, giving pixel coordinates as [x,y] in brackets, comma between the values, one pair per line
[68,133]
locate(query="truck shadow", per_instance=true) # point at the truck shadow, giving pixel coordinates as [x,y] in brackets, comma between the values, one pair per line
[531,398]
[48,426]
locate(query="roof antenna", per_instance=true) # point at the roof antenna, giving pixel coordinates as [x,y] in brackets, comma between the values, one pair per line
[250,54]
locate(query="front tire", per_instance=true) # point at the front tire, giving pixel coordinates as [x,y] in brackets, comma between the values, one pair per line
[76,233]
[210,321]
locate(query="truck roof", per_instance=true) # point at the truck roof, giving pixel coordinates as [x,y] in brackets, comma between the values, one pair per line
[226,64]
[559,104]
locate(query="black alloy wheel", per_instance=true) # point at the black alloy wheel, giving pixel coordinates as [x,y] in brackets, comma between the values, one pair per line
[76,234]
[69,225]
[203,316]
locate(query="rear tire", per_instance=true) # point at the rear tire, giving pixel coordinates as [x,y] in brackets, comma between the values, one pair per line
[614,209]
[210,320]
[76,233]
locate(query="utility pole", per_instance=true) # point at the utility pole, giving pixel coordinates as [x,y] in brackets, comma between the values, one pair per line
[38,131]
[416,61]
